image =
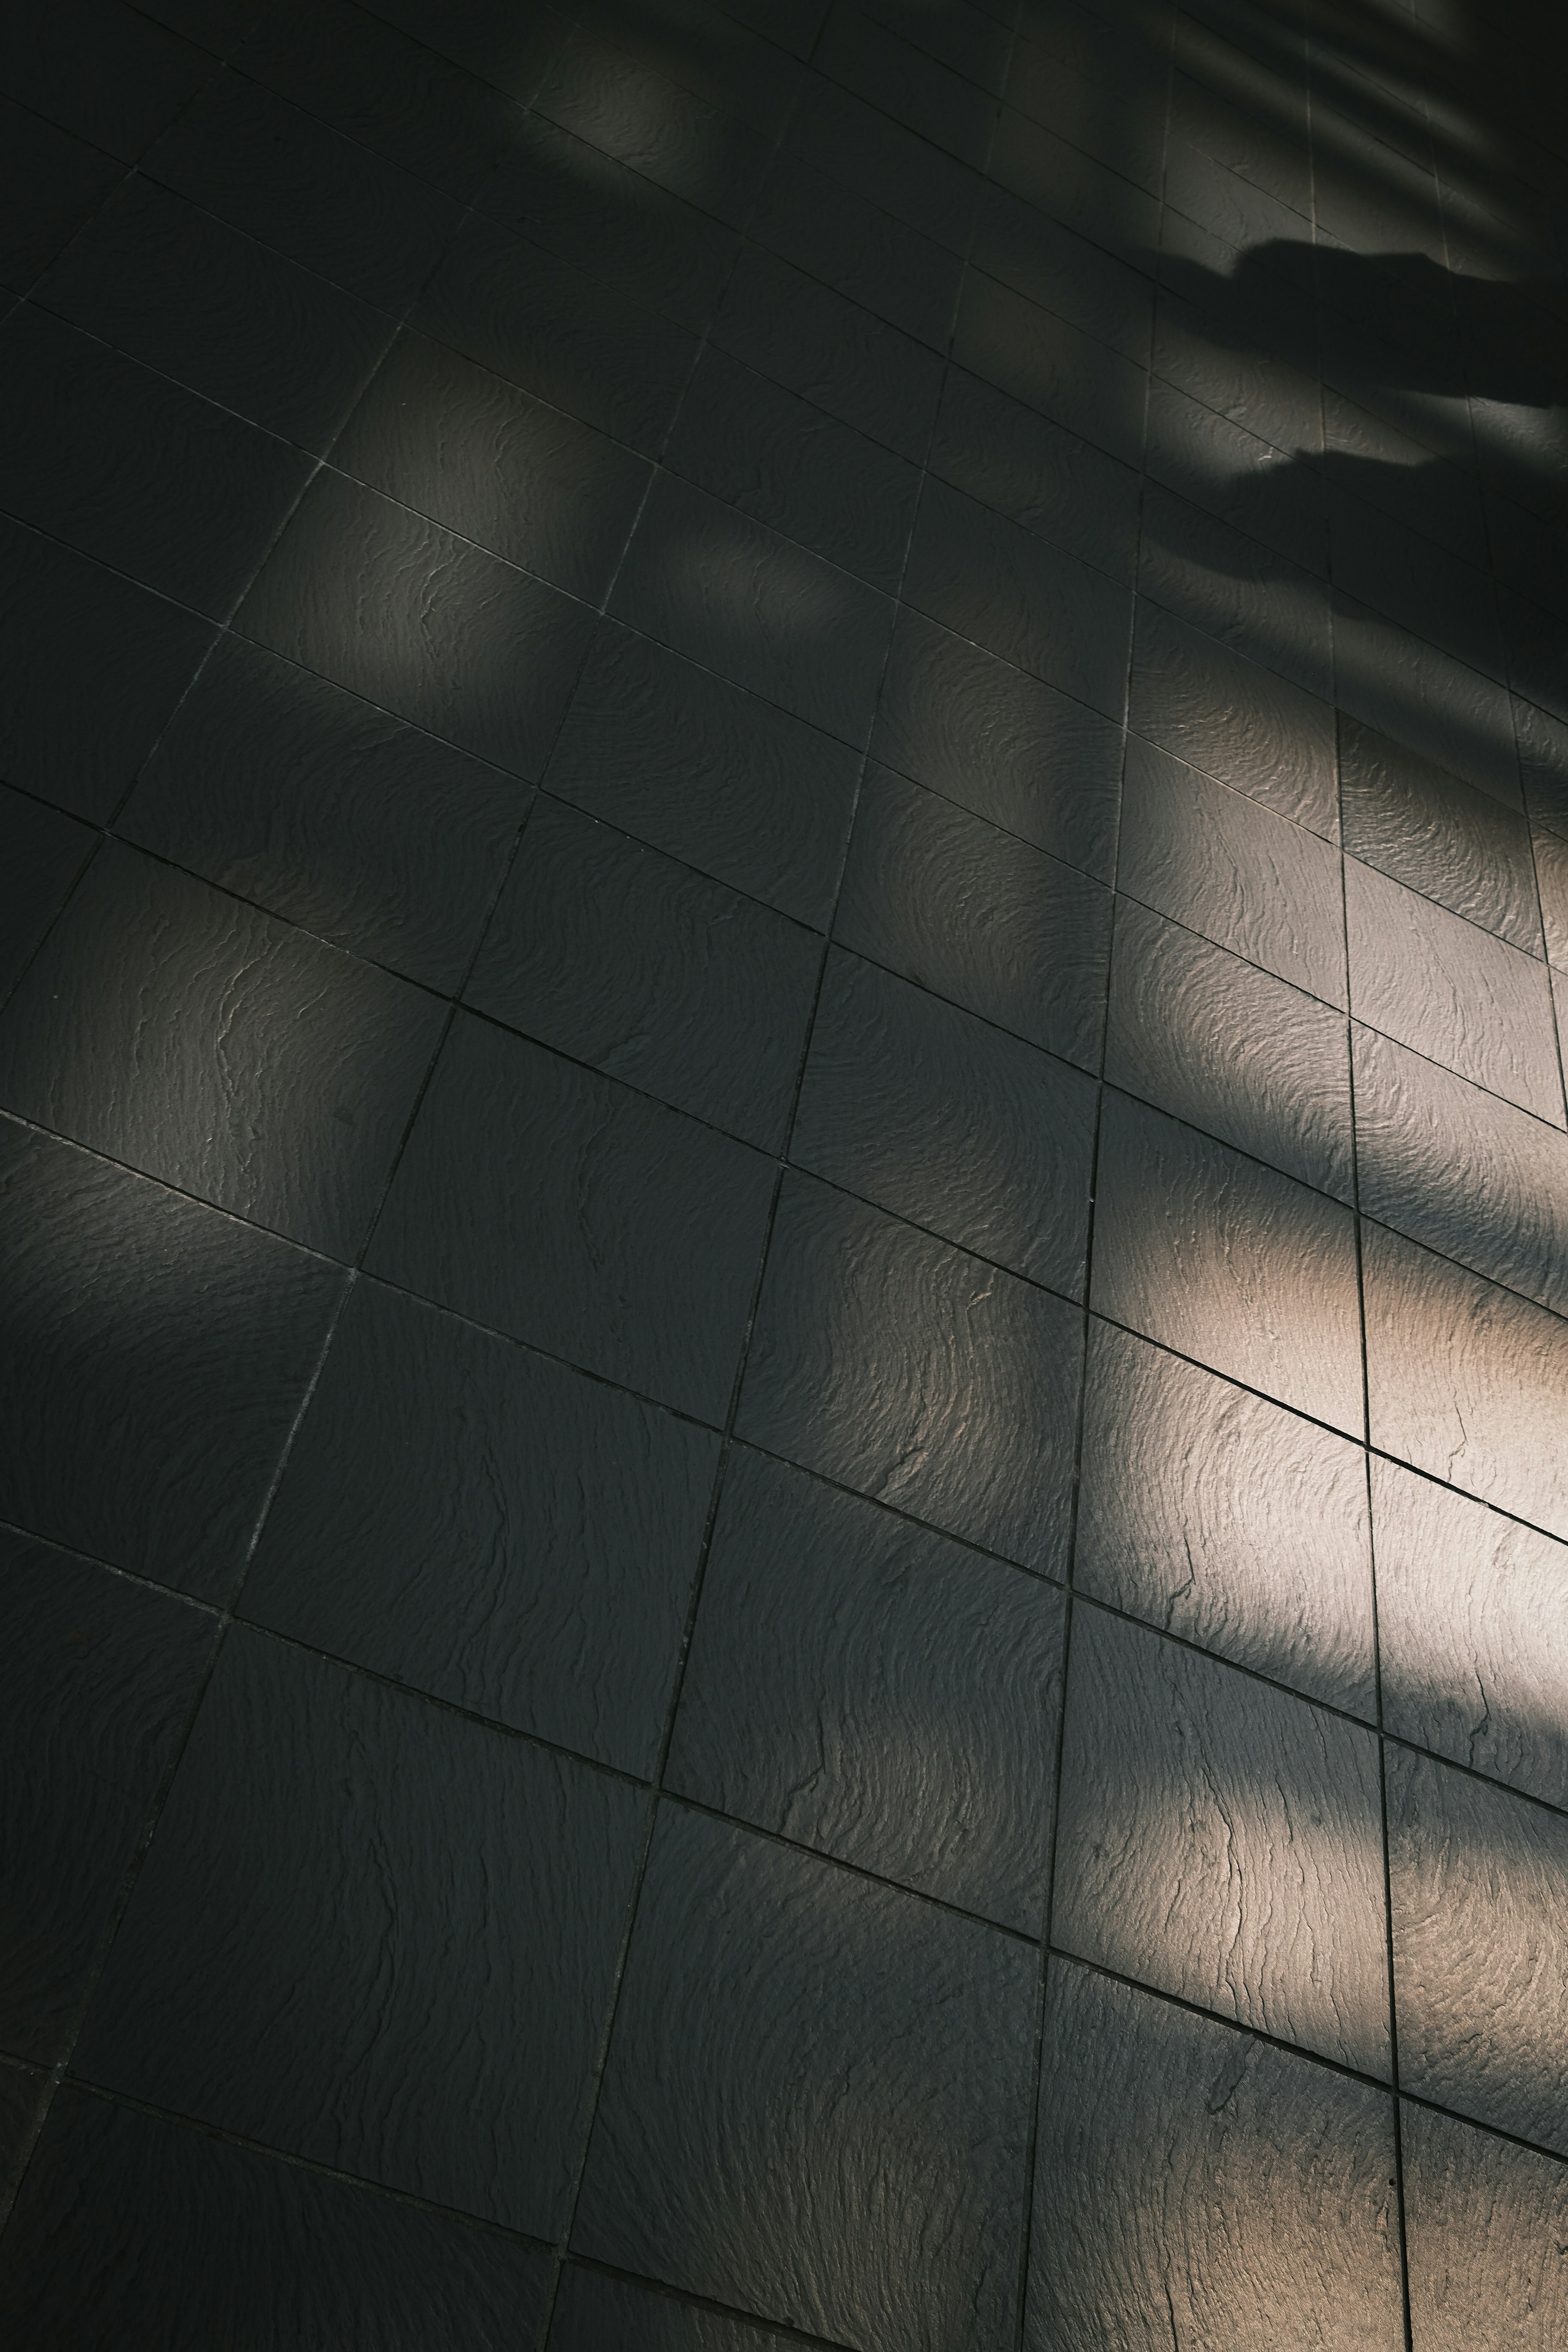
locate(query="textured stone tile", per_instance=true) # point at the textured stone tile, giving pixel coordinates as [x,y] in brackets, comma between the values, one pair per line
[1242,593]
[1002,744]
[142,73]
[1216,861]
[1411,689]
[50,183]
[157,1354]
[24,2092]
[860,1686]
[623,959]
[1222,1841]
[41,853]
[1049,481]
[100,1675]
[858,248]
[710,774]
[562,1208]
[817,343]
[1233,719]
[1218,1516]
[1552,877]
[1397,570]
[950,1122]
[1467,1380]
[129,2228]
[922,1377]
[183,1033]
[1452,1166]
[1228,1261]
[1473,1619]
[1216,358]
[311,1959]
[465,1517]
[1229,1049]
[592,2309]
[914,89]
[1484,2226]
[1194,2185]
[1050,366]
[1436,835]
[814,2107]
[1452,992]
[1273,497]
[1070,279]
[977,916]
[1478,1881]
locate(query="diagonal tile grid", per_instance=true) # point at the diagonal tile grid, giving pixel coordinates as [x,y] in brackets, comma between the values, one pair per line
[785,1425]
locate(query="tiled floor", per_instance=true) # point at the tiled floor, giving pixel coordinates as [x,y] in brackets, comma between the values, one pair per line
[783,1442]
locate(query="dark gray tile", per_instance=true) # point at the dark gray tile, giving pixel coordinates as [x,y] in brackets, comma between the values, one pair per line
[593,2308]
[127,467]
[1228,1261]
[1210,353]
[1227,203]
[1271,494]
[159,1353]
[102,1675]
[1222,1841]
[1230,1049]
[682,100]
[632,237]
[309,1960]
[1370,458]
[41,853]
[1238,722]
[170,286]
[977,916]
[1452,992]
[1224,864]
[488,658]
[1472,1610]
[561,1207]
[814,2107]
[757,608]
[1250,599]
[543,324]
[790,465]
[1399,572]
[950,1122]
[470,450]
[1223,1519]
[619,957]
[1072,187]
[1437,834]
[1455,1168]
[915,90]
[322,809]
[1049,481]
[1478,1888]
[142,74]
[134,2231]
[974,41]
[1483,2222]
[720,779]
[1413,690]
[71,625]
[490,1528]
[1002,744]
[916,1374]
[861,250]
[871,153]
[1052,266]
[50,183]
[1051,367]
[1160,2131]
[193,1037]
[23,2093]
[1100,104]
[280,174]
[1468,1381]
[860,1686]
[1254,122]
[834,353]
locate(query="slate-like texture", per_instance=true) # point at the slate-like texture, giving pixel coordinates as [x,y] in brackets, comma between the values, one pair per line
[1216,1515]
[1478,1883]
[861,1686]
[593,2308]
[1191,2183]
[1484,2227]
[1222,1841]
[373,1935]
[489,1527]
[43,852]
[1438,835]
[814,2104]
[922,1377]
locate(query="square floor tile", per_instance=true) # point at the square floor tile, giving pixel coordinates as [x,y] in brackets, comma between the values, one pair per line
[858,248]
[1064,273]
[159,1354]
[1222,1840]
[1228,1261]
[1051,367]
[41,853]
[489,1526]
[860,1686]
[1050,482]
[176,1029]
[568,1211]
[1478,1880]
[311,1959]
[1194,2185]
[593,2308]
[922,1377]
[977,916]
[1243,593]
[1238,722]
[1438,835]
[100,1677]
[1421,695]
[930,1112]
[1273,495]
[1220,1517]
[814,2107]
[50,182]
[1483,2223]
[142,75]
